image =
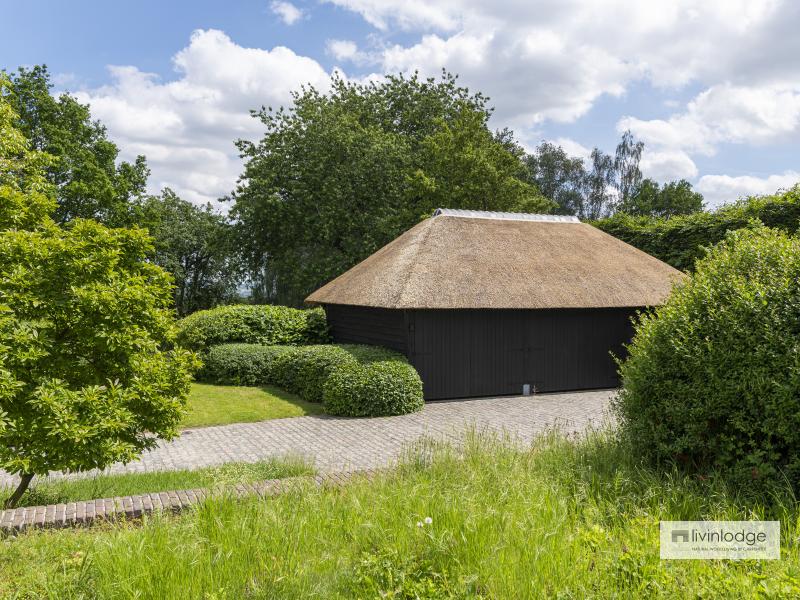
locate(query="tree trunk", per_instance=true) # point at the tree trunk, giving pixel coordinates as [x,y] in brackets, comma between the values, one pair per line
[24,482]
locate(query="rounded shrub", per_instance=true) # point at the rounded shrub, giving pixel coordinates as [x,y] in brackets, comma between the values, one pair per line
[241,364]
[252,324]
[388,387]
[712,380]
[305,369]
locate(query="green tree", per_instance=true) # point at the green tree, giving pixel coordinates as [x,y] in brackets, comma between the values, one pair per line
[466,167]
[343,173]
[88,181]
[626,165]
[599,200]
[671,199]
[558,176]
[88,374]
[196,245]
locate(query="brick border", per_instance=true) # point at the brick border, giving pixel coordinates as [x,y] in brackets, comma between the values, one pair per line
[87,512]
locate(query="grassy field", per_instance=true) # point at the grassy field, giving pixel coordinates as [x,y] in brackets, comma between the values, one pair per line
[105,486]
[223,404]
[560,520]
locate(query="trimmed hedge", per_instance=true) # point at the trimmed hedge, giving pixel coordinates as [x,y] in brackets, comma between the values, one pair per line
[352,380]
[373,390]
[681,240]
[252,324]
[712,380]
[241,364]
[305,369]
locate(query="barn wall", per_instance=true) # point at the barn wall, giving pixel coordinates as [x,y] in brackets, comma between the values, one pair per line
[467,353]
[463,353]
[363,325]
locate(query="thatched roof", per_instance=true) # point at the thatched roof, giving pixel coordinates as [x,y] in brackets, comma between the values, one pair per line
[471,259]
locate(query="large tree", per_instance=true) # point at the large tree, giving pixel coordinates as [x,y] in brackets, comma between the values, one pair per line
[558,176]
[339,174]
[590,191]
[89,183]
[668,200]
[88,371]
[195,244]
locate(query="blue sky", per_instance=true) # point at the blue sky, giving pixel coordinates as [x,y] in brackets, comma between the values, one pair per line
[713,88]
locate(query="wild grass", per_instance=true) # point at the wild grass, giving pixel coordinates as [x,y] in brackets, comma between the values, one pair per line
[224,404]
[561,519]
[107,486]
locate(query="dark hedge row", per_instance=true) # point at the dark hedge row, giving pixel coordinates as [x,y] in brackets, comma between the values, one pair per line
[252,324]
[351,380]
[681,240]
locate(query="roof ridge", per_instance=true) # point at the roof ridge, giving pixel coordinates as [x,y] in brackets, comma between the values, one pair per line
[507,216]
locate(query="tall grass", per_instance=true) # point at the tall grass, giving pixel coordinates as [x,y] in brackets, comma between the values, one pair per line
[560,519]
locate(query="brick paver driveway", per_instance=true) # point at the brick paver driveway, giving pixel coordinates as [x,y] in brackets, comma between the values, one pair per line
[336,444]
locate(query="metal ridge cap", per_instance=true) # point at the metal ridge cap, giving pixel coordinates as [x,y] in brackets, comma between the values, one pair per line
[507,216]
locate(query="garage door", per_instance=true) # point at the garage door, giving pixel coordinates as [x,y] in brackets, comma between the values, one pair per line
[466,353]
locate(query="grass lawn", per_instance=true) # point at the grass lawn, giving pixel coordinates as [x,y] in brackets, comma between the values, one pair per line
[105,486]
[223,404]
[558,520]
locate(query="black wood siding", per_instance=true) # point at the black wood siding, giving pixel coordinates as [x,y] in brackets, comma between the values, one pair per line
[364,325]
[463,353]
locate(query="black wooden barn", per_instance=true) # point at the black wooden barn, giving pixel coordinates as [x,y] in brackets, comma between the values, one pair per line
[499,303]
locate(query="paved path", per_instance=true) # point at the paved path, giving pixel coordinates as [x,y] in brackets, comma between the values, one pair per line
[338,444]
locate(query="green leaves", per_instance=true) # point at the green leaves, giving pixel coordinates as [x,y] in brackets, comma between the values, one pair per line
[88,372]
[713,377]
[342,174]
[81,159]
[352,380]
[254,324]
[683,239]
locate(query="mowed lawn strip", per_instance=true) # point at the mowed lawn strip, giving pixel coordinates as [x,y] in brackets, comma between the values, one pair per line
[107,486]
[225,404]
[562,519]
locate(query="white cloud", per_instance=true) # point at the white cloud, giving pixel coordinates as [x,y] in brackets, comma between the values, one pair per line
[720,189]
[348,51]
[667,165]
[725,114]
[573,148]
[287,11]
[186,127]
[540,61]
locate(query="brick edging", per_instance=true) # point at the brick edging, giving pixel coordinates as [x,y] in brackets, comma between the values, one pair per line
[86,512]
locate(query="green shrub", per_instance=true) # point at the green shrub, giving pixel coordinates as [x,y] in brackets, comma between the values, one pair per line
[305,369]
[241,364]
[387,387]
[252,324]
[681,240]
[713,376]
[369,380]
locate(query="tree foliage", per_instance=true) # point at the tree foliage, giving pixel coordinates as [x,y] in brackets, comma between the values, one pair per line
[607,184]
[196,245]
[652,200]
[87,373]
[88,181]
[343,173]
[713,377]
[681,240]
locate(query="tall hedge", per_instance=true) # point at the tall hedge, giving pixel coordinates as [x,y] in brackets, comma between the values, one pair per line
[712,380]
[252,324]
[681,240]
